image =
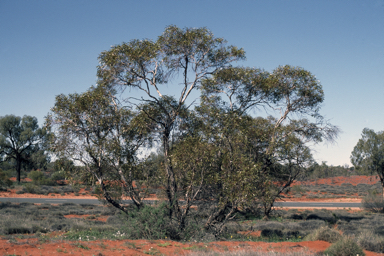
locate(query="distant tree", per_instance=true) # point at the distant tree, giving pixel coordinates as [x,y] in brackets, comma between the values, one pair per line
[368,154]
[20,139]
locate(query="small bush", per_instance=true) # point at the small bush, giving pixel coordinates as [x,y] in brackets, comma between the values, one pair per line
[371,242]
[346,246]
[4,180]
[320,215]
[38,178]
[30,188]
[312,224]
[298,189]
[149,223]
[153,222]
[271,233]
[324,234]
[373,202]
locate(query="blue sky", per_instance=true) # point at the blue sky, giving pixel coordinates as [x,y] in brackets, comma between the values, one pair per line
[51,47]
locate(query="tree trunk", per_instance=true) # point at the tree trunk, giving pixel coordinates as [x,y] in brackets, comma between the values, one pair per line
[171,188]
[18,169]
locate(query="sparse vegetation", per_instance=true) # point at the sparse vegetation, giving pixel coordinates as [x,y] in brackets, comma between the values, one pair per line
[39,220]
[373,202]
[346,246]
[325,234]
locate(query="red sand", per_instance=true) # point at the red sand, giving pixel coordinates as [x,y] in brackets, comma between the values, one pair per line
[143,247]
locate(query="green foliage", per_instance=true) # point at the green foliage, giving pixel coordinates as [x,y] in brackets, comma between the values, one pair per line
[150,223]
[368,154]
[373,202]
[325,234]
[4,180]
[217,152]
[38,178]
[371,242]
[318,171]
[346,246]
[109,158]
[21,140]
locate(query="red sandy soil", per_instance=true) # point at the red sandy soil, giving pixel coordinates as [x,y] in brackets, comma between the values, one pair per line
[143,247]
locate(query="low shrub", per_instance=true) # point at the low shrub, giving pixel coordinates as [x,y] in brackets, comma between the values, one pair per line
[298,189]
[4,180]
[271,233]
[148,223]
[31,188]
[373,202]
[153,222]
[312,224]
[326,216]
[371,242]
[38,178]
[325,234]
[346,246]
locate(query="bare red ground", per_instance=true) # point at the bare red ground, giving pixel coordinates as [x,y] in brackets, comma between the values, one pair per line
[33,247]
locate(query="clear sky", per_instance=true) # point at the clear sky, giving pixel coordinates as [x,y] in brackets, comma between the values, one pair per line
[51,47]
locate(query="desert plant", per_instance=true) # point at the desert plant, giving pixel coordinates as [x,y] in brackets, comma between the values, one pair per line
[325,234]
[30,188]
[373,202]
[346,246]
[38,178]
[4,180]
[371,242]
[148,223]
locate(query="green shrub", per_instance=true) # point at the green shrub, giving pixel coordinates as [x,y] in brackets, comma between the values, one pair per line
[325,234]
[371,242]
[58,176]
[38,178]
[298,189]
[272,233]
[346,246]
[373,202]
[4,180]
[148,223]
[30,188]
[153,222]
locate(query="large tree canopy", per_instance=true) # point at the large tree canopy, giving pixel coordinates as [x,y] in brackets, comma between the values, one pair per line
[20,140]
[223,151]
[179,57]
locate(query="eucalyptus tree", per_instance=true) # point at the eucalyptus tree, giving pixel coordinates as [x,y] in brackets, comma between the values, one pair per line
[274,148]
[368,154]
[20,138]
[93,130]
[180,58]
